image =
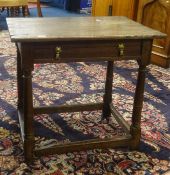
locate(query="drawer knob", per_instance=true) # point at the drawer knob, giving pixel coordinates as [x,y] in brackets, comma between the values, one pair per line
[121,48]
[58,51]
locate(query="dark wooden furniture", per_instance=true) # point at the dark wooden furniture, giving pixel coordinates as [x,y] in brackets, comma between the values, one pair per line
[14,7]
[39,11]
[152,13]
[156,14]
[39,8]
[72,39]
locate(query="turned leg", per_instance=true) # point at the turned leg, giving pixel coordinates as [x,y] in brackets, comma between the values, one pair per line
[28,116]
[137,108]
[8,11]
[12,11]
[27,12]
[24,11]
[135,128]
[15,11]
[19,81]
[107,99]
[39,8]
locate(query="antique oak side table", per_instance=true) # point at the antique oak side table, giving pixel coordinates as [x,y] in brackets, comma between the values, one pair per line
[76,39]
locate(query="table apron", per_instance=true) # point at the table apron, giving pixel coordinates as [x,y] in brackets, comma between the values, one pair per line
[65,51]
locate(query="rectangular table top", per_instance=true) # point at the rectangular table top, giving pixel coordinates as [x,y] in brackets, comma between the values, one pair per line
[77,28]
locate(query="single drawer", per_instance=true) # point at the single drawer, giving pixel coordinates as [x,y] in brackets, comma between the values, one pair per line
[87,50]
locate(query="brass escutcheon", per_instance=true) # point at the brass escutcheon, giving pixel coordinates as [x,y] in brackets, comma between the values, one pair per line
[58,51]
[121,48]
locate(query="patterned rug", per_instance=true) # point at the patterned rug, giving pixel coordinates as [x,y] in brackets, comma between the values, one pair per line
[82,83]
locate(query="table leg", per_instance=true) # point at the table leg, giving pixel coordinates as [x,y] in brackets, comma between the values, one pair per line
[107,99]
[28,115]
[135,129]
[19,81]
[25,10]
[39,8]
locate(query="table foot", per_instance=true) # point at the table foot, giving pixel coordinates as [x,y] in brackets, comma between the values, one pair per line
[136,135]
[28,150]
[104,121]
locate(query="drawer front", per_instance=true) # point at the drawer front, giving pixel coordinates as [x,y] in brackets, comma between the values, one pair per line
[82,51]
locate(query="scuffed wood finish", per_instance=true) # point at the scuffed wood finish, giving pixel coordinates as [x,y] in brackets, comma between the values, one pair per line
[107,98]
[135,128]
[68,108]
[86,50]
[19,80]
[80,28]
[156,14]
[28,115]
[121,121]
[84,145]
[79,39]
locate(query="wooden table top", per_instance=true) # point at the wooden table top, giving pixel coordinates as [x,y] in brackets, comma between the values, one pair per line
[77,28]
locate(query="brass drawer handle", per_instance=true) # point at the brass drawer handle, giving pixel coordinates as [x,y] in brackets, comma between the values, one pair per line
[121,48]
[58,51]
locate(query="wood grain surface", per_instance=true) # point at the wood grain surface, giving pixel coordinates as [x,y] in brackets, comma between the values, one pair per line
[78,28]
